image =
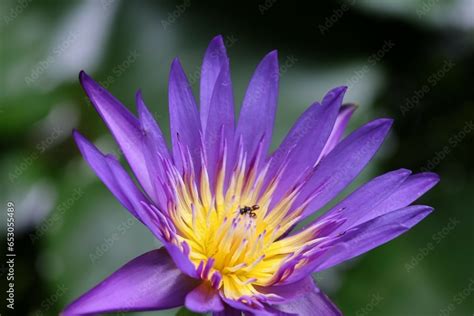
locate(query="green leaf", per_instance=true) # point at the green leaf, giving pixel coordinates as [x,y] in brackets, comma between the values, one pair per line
[186,312]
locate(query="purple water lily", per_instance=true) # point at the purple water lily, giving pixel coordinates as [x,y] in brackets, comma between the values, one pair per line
[225,210]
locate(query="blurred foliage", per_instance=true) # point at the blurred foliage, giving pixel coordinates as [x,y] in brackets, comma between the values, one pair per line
[66,217]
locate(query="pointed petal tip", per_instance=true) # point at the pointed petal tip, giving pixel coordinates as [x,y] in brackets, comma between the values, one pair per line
[176,69]
[386,120]
[217,40]
[215,51]
[340,89]
[138,94]
[349,107]
[423,209]
[402,172]
[78,137]
[175,62]
[84,78]
[418,209]
[84,145]
[139,101]
[380,126]
[335,94]
[433,177]
[273,55]
[269,60]
[89,85]
[82,74]
[175,66]
[384,123]
[436,178]
[269,67]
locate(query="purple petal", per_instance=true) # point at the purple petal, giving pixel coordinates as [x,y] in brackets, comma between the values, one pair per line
[117,180]
[304,271]
[343,164]
[257,115]
[263,310]
[306,140]
[181,259]
[221,121]
[123,125]
[288,292]
[204,299]
[214,58]
[184,118]
[101,166]
[313,303]
[148,282]
[154,147]
[228,311]
[362,204]
[410,190]
[372,234]
[342,120]
[137,200]
[150,127]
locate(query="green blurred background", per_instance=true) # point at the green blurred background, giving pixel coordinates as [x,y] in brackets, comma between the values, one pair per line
[410,60]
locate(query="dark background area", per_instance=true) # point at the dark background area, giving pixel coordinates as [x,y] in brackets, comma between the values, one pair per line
[409,60]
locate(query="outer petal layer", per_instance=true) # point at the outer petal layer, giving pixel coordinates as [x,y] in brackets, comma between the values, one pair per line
[204,299]
[372,234]
[153,147]
[220,123]
[257,115]
[184,118]
[214,58]
[101,165]
[362,205]
[150,127]
[414,187]
[305,141]
[343,164]
[228,311]
[148,282]
[313,303]
[340,125]
[356,241]
[284,293]
[123,125]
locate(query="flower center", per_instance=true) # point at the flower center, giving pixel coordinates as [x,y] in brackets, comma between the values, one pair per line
[234,229]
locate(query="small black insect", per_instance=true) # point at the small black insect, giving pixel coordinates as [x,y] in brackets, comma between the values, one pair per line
[249,210]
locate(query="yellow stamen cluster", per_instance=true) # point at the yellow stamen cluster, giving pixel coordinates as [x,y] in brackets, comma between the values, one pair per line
[245,249]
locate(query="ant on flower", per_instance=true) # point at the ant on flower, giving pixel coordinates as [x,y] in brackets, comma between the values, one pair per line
[249,210]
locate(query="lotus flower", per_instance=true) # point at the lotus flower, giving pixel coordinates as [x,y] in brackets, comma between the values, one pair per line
[226,211]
